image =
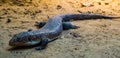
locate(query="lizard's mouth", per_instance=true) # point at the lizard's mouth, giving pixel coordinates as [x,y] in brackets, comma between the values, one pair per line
[15,43]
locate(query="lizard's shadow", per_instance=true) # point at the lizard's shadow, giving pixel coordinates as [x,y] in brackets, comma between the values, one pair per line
[21,48]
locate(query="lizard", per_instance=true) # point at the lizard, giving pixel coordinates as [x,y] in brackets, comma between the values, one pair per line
[51,30]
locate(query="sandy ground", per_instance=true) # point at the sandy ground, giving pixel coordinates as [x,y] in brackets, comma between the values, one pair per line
[94,39]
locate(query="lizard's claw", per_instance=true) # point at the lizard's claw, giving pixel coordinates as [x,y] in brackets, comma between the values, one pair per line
[39,48]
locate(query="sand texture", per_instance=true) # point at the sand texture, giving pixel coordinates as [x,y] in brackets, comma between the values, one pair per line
[94,39]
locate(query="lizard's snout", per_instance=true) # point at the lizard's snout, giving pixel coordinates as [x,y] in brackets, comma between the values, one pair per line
[11,43]
[14,42]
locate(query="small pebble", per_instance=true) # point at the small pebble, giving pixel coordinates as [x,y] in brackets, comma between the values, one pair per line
[79,11]
[8,20]
[59,7]
[75,35]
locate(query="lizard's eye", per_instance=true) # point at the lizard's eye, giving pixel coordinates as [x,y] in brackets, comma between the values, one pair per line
[29,39]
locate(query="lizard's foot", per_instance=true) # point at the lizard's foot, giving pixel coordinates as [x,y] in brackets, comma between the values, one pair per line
[42,45]
[29,30]
[39,48]
[74,27]
[40,24]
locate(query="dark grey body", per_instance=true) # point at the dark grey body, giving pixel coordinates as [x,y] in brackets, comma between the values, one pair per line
[50,30]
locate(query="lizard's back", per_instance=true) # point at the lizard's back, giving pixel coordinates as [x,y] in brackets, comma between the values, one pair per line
[52,29]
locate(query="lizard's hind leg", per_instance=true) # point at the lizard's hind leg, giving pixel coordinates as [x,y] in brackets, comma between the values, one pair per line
[69,25]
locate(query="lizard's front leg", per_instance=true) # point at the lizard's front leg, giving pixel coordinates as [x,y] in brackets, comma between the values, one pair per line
[43,44]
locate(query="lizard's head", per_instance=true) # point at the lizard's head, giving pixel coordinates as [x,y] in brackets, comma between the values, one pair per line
[24,39]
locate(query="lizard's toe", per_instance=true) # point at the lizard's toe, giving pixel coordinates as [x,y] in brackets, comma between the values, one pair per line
[39,48]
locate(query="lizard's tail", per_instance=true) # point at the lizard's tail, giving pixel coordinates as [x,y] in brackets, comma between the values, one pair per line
[68,17]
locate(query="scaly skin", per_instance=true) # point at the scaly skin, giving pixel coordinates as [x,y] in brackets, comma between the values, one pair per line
[51,30]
